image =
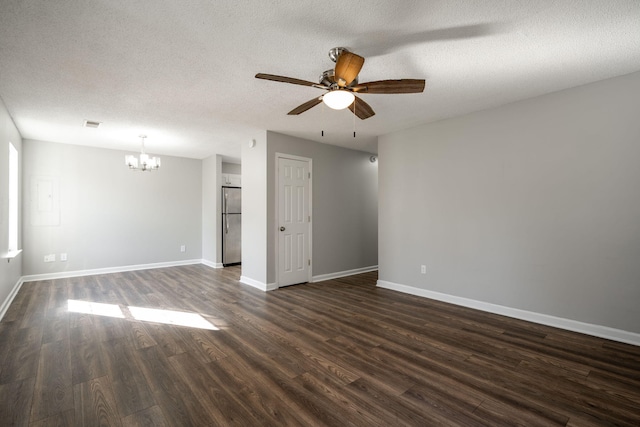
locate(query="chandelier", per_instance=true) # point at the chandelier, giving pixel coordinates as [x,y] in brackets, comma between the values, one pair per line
[145,163]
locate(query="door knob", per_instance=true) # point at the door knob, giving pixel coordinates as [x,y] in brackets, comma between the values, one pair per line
[282,228]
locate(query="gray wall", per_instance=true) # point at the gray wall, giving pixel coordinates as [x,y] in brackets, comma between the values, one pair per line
[111,216]
[345,204]
[10,272]
[534,205]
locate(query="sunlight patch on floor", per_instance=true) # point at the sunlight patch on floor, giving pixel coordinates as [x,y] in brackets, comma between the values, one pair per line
[170,317]
[155,315]
[97,308]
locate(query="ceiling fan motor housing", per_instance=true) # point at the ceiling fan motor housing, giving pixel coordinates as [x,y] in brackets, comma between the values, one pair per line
[328,79]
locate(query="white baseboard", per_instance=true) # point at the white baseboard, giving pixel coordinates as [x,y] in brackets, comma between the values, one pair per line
[338,274]
[543,319]
[7,302]
[257,284]
[272,286]
[211,263]
[120,269]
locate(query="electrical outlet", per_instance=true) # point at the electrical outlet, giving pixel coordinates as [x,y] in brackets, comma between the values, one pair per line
[423,269]
[63,257]
[50,258]
[183,248]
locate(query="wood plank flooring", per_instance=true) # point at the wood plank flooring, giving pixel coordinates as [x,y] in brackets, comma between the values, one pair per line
[335,353]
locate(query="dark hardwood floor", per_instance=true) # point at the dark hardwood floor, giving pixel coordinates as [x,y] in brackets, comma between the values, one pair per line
[339,353]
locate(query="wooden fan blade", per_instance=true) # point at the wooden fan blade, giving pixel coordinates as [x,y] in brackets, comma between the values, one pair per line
[284,79]
[391,86]
[304,107]
[348,67]
[361,109]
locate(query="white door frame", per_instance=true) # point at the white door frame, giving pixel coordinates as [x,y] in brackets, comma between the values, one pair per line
[276,224]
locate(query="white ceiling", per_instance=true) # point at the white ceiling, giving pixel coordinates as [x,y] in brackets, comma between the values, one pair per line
[183,72]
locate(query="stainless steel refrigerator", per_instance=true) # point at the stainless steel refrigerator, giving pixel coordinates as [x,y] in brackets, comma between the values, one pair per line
[231,222]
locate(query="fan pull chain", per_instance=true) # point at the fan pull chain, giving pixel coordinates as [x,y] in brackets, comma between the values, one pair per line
[354,117]
[322,132]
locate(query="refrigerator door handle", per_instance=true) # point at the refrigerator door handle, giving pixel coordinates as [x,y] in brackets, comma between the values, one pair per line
[225,213]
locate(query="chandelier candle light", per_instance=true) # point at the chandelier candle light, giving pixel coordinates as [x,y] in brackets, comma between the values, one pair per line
[146,163]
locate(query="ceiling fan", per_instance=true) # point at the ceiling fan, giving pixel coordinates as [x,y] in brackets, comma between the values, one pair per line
[341,84]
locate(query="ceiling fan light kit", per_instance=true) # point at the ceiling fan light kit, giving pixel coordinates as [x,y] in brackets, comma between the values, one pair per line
[338,99]
[341,84]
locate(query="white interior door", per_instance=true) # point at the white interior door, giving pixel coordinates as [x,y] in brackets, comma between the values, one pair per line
[294,259]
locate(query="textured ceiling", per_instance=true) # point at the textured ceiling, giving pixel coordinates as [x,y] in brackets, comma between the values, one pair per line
[183,72]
